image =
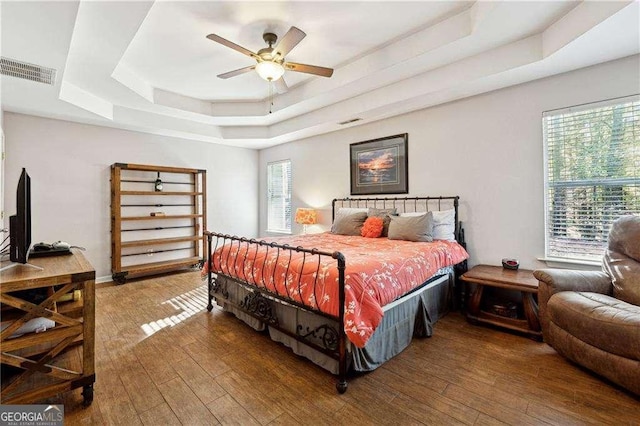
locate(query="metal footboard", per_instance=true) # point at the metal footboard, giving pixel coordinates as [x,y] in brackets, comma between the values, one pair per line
[258,303]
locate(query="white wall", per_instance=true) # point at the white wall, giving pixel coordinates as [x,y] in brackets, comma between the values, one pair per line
[2,234]
[69,165]
[487,149]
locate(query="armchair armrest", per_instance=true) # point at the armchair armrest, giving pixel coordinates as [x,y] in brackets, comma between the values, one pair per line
[551,281]
[572,280]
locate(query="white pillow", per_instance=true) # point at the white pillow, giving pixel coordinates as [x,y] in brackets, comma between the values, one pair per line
[444,223]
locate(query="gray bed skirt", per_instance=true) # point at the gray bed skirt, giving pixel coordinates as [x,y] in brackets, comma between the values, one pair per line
[412,315]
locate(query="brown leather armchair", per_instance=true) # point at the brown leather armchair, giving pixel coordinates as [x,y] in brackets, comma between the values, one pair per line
[593,317]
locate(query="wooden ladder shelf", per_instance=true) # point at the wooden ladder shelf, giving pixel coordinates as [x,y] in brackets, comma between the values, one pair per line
[156,230]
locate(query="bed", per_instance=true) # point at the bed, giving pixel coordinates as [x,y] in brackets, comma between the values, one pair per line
[345,302]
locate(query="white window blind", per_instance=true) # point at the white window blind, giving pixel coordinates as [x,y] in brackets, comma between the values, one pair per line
[592,170]
[279,196]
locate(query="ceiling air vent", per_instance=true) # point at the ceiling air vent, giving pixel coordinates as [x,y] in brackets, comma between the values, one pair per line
[353,120]
[32,72]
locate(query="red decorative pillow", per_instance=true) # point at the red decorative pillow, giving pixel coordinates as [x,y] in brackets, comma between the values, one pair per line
[372,227]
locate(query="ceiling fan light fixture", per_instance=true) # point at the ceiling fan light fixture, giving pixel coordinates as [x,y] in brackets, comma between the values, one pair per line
[270,71]
[270,60]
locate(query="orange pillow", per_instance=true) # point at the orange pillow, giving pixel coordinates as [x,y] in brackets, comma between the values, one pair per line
[372,227]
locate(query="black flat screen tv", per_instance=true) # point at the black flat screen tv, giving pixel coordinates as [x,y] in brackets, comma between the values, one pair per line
[20,224]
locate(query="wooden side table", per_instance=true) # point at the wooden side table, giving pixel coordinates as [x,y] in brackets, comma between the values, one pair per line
[496,276]
[45,361]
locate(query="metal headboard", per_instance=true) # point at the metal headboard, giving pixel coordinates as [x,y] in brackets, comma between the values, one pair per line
[405,205]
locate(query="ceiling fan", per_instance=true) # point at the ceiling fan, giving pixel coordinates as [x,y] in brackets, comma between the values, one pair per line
[271,63]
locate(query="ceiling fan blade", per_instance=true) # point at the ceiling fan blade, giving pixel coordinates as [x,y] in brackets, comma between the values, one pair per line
[236,72]
[289,41]
[309,69]
[225,42]
[281,85]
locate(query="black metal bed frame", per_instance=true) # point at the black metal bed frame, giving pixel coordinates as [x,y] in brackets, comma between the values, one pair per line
[325,338]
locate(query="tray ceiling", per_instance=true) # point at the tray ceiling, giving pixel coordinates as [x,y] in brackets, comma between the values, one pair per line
[147,66]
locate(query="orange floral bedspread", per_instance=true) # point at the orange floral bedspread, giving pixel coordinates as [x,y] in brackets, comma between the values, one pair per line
[378,271]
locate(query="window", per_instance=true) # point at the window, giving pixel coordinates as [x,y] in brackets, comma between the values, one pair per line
[279,196]
[592,169]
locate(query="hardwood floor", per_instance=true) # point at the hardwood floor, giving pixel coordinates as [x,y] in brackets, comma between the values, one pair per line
[162,359]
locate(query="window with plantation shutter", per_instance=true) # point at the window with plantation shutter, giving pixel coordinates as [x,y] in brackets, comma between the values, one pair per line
[592,170]
[279,196]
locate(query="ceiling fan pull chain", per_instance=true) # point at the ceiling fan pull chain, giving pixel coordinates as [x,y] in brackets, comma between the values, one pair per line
[270,95]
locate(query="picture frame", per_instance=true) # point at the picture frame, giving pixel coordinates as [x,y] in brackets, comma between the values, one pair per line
[380,166]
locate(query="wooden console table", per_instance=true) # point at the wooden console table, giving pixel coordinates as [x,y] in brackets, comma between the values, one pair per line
[40,365]
[496,276]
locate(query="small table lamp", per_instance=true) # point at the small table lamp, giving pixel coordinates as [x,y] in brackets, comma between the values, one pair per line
[305,216]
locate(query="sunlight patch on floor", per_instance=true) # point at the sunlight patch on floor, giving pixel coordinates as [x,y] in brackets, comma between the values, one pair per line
[190,303]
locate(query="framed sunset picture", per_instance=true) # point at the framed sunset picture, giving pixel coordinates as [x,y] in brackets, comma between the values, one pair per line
[380,166]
